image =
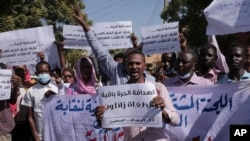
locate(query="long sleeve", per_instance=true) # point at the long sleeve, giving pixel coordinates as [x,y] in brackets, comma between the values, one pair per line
[221,61]
[105,60]
[172,113]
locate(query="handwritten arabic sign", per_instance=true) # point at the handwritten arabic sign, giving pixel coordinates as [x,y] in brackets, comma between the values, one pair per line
[20,51]
[71,118]
[228,16]
[44,37]
[74,37]
[160,38]
[130,105]
[207,111]
[5,84]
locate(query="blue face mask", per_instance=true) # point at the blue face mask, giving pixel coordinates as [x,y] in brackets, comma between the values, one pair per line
[185,76]
[44,78]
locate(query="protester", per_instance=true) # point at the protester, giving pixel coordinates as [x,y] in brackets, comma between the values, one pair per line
[119,57]
[221,60]
[22,129]
[68,75]
[114,70]
[184,67]
[247,64]
[183,37]
[7,122]
[166,70]
[34,96]
[85,78]
[236,59]
[207,63]
[135,66]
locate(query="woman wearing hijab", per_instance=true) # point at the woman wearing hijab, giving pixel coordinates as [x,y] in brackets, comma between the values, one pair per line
[85,78]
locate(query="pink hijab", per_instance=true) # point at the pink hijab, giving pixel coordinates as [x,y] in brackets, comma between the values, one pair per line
[80,87]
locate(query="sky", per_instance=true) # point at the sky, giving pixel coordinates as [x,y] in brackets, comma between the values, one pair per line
[142,13]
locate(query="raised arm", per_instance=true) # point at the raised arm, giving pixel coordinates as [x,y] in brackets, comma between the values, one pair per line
[16,81]
[221,61]
[62,57]
[105,60]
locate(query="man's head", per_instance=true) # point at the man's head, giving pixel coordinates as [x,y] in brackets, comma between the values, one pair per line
[186,64]
[247,64]
[119,57]
[235,57]
[135,66]
[168,61]
[43,71]
[208,56]
[20,71]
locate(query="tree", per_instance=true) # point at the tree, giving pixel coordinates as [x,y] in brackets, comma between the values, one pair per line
[21,14]
[190,12]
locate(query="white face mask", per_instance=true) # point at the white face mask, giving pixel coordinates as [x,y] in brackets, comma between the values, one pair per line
[185,76]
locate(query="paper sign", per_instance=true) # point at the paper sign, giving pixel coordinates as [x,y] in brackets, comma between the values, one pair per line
[130,105]
[160,38]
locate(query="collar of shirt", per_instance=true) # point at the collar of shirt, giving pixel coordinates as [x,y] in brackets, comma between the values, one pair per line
[194,80]
[51,86]
[246,75]
[212,75]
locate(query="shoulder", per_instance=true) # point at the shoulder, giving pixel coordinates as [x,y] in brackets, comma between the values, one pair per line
[199,80]
[170,81]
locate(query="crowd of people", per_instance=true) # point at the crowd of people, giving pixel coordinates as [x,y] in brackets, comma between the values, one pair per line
[204,66]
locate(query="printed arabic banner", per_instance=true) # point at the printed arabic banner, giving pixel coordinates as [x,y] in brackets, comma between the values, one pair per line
[71,118]
[160,38]
[130,105]
[228,16]
[206,112]
[20,51]
[75,37]
[112,35]
[5,84]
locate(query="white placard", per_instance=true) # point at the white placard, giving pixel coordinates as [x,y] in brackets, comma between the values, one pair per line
[130,105]
[44,35]
[114,35]
[160,38]
[228,16]
[20,51]
[5,84]
[74,37]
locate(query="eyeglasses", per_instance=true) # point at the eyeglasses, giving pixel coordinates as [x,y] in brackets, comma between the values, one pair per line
[67,76]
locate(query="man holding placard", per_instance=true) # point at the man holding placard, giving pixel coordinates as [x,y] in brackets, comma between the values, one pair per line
[135,66]
[9,91]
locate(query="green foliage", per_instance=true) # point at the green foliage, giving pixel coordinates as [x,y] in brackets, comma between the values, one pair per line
[189,12]
[21,14]
[72,57]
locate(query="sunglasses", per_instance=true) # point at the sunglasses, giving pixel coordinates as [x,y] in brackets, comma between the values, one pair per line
[67,76]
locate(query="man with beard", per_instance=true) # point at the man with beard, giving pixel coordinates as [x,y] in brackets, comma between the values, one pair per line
[207,67]
[185,65]
[236,59]
[115,71]
[135,66]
